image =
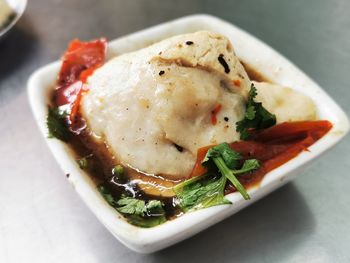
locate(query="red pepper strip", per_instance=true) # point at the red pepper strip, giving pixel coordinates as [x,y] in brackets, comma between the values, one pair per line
[68,94]
[83,88]
[237,82]
[198,168]
[87,73]
[287,129]
[79,62]
[264,151]
[214,112]
[273,147]
[81,56]
[277,158]
[76,104]
[72,96]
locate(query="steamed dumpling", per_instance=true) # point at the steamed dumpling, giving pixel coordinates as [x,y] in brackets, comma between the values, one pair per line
[285,103]
[153,107]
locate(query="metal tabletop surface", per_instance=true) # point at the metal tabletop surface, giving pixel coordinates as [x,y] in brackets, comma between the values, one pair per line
[42,219]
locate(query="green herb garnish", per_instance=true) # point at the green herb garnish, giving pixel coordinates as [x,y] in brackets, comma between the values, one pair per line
[56,125]
[84,162]
[132,206]
[208,189]
[248,165]
[118,171]
[138,212]
[227,160]
[107,195]
[223,150]
[256,116]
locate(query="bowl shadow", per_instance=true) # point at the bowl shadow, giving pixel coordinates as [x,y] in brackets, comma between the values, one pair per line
[277,221]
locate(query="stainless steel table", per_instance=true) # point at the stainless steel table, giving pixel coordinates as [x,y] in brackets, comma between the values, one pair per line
[43,220]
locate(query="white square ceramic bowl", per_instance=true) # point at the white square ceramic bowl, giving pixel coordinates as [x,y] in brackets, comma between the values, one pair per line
[250,50]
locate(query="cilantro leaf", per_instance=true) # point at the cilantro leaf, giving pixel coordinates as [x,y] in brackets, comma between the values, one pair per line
[248,166]
[84,162]
[155,208]
[252,94]
[138,212]
[224,151]
[255,117]
[250,113]
[192,180]
[56,125]
[202,193]
[118,170]
[228,173]
[133,206]
[146,221]
[107,195]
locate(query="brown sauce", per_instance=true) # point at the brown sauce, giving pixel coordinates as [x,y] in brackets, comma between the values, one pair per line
[254,74]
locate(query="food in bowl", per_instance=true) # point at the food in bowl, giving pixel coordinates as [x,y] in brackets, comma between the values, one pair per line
[174,127]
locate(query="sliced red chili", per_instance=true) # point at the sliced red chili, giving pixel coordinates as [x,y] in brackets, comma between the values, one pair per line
[273,147]
[81,56]
[237,82]
[79,62]
[214,112]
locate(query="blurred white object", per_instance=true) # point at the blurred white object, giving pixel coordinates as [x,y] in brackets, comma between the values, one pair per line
[6,13]
[10,12]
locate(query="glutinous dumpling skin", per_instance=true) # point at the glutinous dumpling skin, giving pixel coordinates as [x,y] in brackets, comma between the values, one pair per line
[286,103]
[153,107]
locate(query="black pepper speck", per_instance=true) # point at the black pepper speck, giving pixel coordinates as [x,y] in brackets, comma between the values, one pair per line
[223,63]
[178,147]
